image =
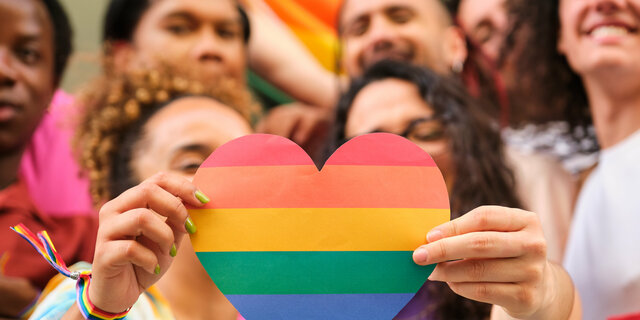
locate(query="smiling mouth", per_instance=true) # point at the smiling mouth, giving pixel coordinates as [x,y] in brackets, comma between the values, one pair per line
[611,31]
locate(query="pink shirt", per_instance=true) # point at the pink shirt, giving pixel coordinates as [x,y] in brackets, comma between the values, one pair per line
[52,175]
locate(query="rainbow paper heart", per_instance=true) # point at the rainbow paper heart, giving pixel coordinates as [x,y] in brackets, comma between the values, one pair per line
[283,240]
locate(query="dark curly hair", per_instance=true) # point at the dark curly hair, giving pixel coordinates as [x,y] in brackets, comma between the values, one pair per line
[116,108]
[545,76]
[477,151]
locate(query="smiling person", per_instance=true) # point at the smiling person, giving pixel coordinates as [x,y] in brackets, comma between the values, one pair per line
[34,48]
[143,130]
[493,255]
[592,47]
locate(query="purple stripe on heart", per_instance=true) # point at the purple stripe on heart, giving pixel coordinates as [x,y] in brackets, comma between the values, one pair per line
[320,306]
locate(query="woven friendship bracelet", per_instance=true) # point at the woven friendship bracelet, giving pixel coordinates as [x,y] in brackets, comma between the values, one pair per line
[43,244]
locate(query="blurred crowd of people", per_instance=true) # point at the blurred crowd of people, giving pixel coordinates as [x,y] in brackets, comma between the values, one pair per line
[531,110]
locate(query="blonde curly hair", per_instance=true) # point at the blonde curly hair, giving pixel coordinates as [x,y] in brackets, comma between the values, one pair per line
[117,105]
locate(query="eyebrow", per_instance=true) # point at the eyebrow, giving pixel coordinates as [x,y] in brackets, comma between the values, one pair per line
[30,37]
[196,147]
[385,10]
[190,16]
[397,7]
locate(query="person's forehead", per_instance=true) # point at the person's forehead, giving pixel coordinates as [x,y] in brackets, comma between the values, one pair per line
[215,10]
[28,17]
[473,11]
[389,95]
[352,9]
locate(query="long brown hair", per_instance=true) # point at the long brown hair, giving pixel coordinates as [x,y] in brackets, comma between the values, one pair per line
[543,70]
[478,160]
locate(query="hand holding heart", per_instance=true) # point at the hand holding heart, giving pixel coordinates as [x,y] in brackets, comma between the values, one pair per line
[136,239]
[497,255]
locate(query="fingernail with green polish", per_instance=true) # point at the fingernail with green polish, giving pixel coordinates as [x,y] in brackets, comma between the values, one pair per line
[188,224]
[173,250]
[201,197]
[157,269]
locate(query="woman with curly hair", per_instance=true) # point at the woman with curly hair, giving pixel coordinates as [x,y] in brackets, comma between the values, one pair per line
[437,114]
[586,61]
[136,125]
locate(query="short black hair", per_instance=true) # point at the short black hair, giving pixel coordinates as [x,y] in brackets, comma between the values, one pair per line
[62,36]
[123,16]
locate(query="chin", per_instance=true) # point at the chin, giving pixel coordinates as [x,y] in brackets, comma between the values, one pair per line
[608,60]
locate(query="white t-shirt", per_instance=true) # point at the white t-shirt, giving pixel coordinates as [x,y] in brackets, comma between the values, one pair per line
[603,252]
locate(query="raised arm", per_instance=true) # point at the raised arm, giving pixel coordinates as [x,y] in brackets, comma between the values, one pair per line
[278,56]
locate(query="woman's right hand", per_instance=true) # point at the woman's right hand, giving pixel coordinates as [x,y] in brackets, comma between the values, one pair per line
[137,239]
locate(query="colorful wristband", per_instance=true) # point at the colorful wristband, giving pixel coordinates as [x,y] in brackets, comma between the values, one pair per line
[43,244]
[88,310]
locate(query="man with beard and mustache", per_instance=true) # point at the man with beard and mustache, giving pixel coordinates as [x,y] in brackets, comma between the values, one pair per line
[418,32]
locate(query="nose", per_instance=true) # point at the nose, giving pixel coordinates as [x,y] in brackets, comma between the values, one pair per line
[381,34]
[608,6]
[207,48]
[7,71]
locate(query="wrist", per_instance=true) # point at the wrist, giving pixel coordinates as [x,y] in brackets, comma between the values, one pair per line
[558,297]
[92,306]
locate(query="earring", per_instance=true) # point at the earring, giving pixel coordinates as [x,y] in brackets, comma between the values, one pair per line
[457,67]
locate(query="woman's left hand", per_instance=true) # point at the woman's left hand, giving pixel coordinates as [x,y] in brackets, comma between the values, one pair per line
[496,255]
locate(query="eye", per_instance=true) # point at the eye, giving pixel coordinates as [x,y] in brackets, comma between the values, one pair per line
[187,162]
[228,32]
[358,27]
[426,131]
[400,15]
[427,136]
[180,28]
[28,55]
[190,168]
[483,33]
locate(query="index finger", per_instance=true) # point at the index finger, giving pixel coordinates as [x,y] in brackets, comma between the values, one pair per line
[487,218]
[164,193]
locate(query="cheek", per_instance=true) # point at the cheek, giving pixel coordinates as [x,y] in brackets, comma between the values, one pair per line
[39,88]
[147,162]
[351,51]
[445,164]
[236,58]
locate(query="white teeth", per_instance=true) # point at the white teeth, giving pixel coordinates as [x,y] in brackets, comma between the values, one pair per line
[609,31]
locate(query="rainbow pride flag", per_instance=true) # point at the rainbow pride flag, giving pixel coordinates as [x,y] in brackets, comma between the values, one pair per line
[283,240]
[314,23]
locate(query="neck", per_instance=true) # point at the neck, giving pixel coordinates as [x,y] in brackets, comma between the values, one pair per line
[9,164]
[189,290]
[615,109]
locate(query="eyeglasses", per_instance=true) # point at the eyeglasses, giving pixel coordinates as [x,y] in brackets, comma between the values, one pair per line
[428,133]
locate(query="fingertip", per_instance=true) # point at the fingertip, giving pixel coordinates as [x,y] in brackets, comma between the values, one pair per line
[190,226]
[420,256]
[173,251]
[434,235]
[201,197]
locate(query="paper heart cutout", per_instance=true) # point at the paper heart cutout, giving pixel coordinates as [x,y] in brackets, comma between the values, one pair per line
[283,240]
